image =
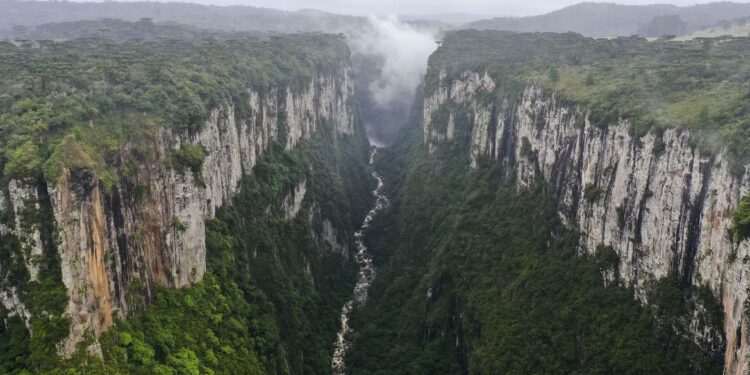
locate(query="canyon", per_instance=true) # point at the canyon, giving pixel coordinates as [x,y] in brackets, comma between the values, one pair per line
[119,243]
[663,212]
[266,210]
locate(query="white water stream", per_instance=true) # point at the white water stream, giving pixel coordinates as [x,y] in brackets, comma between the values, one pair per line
[365,277]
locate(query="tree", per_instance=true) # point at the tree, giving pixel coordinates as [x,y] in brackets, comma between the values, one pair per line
[185,362]
[741,220]
[589,79]
[554,74]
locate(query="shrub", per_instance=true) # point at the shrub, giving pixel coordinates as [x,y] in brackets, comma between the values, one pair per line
[526,149]
[23,161]
[141,353]
[189,157]
[589,79]
[741,220]
[554,74]
[125,338]
[69,154]
[607,257]
[185,362]
[178,225]
[592,193]
[667,297]
[659,146]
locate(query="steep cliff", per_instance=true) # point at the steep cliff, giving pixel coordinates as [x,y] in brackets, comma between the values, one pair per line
[134,221]
[107,242]
[555,177]
[664,212]
[661,203]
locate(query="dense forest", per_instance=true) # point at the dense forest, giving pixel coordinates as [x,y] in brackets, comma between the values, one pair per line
[269,299]
[51,90]
[698,85]
[478,274]
[478,277]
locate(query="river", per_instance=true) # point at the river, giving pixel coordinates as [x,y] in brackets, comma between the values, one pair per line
[365,277]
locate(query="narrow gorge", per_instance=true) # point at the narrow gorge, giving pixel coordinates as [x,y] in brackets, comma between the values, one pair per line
[365,276]
[542,218]
[551,203]
[119,213]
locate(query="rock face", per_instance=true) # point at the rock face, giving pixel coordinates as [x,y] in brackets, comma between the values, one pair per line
[293,201]
[25,201]
[22,202]
[116,243]
[664,207]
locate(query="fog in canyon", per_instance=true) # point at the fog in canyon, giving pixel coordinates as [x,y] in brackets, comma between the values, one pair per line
[391,59]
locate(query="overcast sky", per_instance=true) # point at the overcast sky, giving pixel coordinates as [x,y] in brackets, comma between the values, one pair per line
[484,8]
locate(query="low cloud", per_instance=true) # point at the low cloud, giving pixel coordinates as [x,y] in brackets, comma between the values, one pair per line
[404,51]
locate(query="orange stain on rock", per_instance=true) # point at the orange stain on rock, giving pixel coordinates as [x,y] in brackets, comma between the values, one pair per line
[96,265]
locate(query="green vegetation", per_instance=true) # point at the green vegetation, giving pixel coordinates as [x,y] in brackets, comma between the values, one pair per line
[208,328]
[554,74]
[670,305]
[259,309]
[697,85]
[45,298]
[71,104]
[270,299]
[178,225]
[189,157]
[741,220]
[476,277]
[607,257]
[592,193]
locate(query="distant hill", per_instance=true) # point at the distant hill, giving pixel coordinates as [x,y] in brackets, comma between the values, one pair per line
[737,27]
[120,31]
[609,19]
[232,18]
[446,18]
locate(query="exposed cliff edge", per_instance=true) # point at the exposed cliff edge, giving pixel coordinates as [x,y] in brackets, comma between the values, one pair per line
[663,207]
[149,230]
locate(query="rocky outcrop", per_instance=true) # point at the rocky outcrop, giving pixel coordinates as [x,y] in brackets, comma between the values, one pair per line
[661,204]
[24,202]
[12,303]
[327,238]
[293,201]
[119,241]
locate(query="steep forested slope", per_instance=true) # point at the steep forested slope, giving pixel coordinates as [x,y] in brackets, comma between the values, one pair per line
[177,207]
[566,207]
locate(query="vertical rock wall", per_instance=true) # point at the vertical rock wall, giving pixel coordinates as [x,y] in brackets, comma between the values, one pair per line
[117,243]
[662,205]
